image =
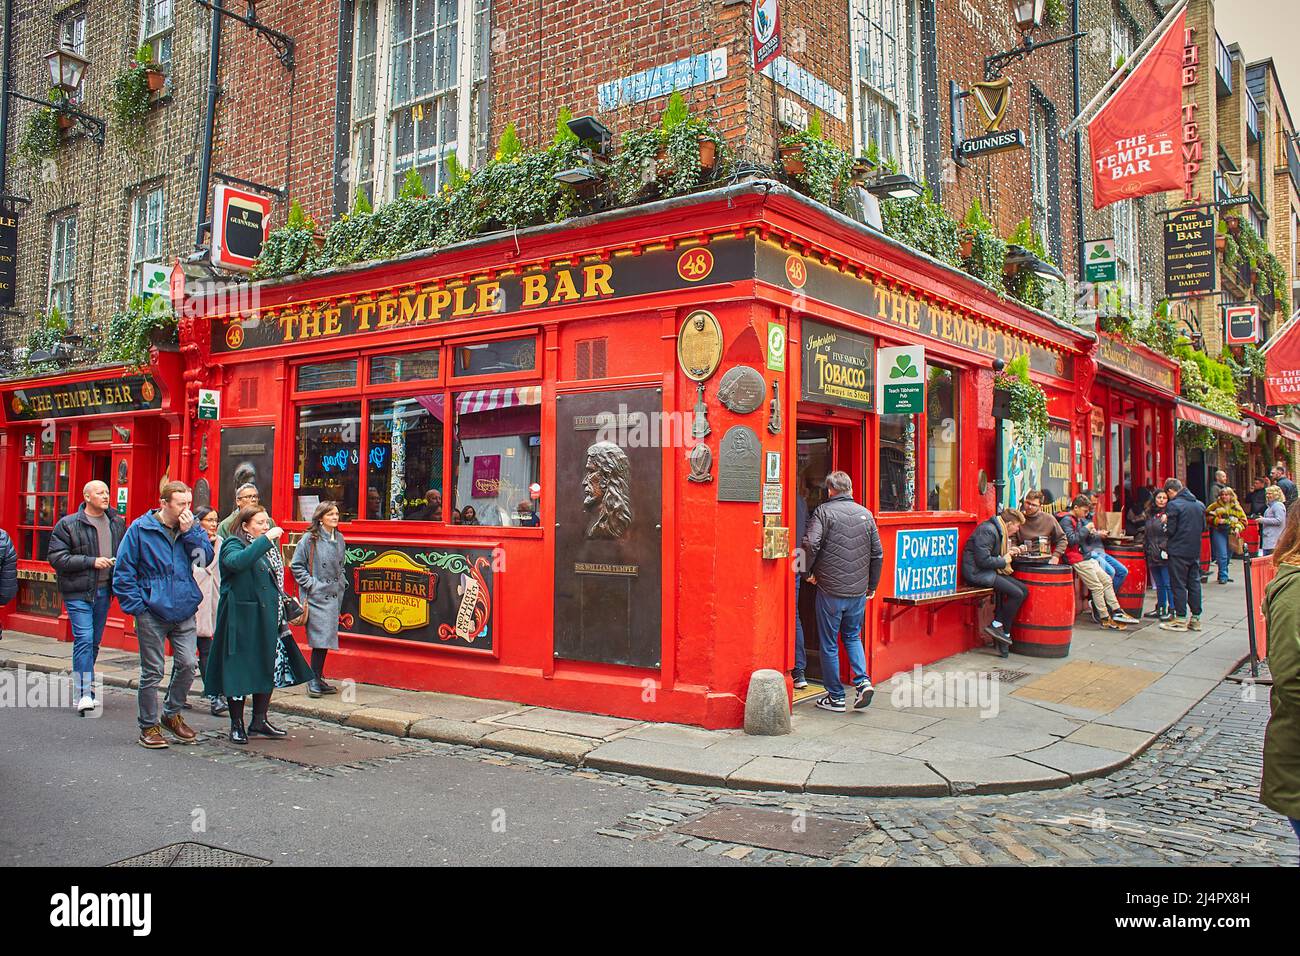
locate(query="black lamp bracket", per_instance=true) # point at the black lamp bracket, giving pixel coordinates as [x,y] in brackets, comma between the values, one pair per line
[993,65]
[283,43]
[93,124]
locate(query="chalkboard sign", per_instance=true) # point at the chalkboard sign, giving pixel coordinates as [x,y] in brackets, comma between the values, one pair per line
[1189,252]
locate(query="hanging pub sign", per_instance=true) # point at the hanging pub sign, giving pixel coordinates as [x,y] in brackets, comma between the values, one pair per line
[8,254]
[240,221]
[992,97]
[838,366]
[1189,252]
[1241,324]
[1099,265]
[107,396]
[765,27]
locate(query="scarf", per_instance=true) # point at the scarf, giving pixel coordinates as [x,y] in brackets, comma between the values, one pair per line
[273,563]
[1006,547]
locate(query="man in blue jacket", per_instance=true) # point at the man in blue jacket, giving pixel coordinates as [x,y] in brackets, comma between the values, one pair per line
[1185,523]
[154,583]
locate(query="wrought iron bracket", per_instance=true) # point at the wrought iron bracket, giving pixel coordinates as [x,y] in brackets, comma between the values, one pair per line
[95,126]
[993,65]
[283,43]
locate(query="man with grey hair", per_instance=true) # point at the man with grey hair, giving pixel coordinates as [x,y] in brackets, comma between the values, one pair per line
[82,549]
[843,555]
[246,496]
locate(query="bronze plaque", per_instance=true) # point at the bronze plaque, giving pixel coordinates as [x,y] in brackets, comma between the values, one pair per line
[742,389]
[699,345]
[246,455]
[608,541]
[739,472]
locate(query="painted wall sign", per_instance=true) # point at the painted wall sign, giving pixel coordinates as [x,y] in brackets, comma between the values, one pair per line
[765,29]
[240,222]
[925,562]
[661,80]
[1120,356]
[8,255]
[1189,252]
[906,311]
[431,595]
[569,284]
[106,396]
[818,92]
[838,366]
[900,380]
[1241,324]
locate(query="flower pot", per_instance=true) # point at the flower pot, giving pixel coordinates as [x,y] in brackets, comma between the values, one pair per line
[664,164]
[967,246]
[318,238]
[157,79]
[67,121]
[708,154]
[1220,241]
[1233,223]
[792,160]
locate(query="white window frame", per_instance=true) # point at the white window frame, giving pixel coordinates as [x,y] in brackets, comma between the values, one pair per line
[1122,36]
[471,34]
[72,37]
[1040,192]
[148,236]
[62,288]
[890,99]
[1124,222]
[157,22]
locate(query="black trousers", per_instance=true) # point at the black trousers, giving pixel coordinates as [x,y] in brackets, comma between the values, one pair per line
[1185,582]
[1011,595]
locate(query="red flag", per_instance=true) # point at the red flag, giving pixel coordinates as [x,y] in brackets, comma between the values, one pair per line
[1134,138]
[1282,368]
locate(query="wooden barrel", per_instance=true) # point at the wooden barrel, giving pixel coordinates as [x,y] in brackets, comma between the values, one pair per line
[1046,623]
[1205,553]
[1134,590]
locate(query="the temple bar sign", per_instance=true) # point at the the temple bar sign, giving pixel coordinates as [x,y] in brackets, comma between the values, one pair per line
[240,222]
[131,393]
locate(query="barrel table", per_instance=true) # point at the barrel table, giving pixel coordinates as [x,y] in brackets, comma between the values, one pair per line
[1134,589]
[1046,623]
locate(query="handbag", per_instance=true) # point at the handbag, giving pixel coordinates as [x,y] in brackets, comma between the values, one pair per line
[294,611]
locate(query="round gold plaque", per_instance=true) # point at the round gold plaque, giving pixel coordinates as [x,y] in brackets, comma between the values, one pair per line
[699,345]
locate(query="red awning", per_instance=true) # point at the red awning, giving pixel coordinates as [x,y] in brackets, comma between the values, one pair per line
[1197,415]
[1286,431]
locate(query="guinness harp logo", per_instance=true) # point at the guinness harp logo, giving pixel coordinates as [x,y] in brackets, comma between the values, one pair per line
[992,97]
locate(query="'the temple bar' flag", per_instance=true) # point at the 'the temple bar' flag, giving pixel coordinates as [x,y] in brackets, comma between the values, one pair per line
[1134,138]
[1282,365]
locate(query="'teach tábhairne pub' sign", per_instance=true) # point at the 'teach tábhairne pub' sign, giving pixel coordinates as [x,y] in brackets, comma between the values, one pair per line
[105,396]
[722,260]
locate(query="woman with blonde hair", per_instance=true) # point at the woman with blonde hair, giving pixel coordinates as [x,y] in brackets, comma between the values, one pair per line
[1272,520]
[1225,518]
[1280,789]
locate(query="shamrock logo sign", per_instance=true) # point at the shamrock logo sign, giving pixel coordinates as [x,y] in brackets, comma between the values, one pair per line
[904,368]
[1099,252]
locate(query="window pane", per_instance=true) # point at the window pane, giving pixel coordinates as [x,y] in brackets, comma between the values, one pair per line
[405,367]
[897,462]
[404,467]
[322,375]
[941,440]
[507,355]
[326,458]
[47,477]
[496,456]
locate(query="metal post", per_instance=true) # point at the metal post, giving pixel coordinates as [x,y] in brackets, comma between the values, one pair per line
[1250,612]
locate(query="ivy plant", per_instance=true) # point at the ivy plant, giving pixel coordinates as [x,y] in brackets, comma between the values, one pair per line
[288,250]
[1026,402]
[922,224]
[40,137]
[130,98]
[988,251]
[132,330]
[663,159]
[826,167]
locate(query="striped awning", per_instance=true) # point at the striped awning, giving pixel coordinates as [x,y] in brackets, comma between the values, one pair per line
[1189,412]
[487,399]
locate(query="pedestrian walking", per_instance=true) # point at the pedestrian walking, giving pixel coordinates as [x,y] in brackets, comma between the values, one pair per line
[1081,539]
[1272,521]
[1280,787]
[986,563]
[8,571]
[844,556]
[1156,543]
[1185,521]
[246,496]
[82,549]
[253,651]
[1226,519]
[154,583]
[319,566]
[1289,493]
[208,578]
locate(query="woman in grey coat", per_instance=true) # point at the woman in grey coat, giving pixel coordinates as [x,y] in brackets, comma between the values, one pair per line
[1272,520]
[319,566]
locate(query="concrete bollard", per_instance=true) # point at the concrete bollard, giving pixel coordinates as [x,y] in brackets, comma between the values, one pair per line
[767,707]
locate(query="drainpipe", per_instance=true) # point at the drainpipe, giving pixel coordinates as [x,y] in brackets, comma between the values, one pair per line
[1079,237]
[209,123]
[4,92]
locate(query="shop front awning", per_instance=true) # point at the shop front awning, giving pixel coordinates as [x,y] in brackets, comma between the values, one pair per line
[487,399]
[1282,428]
[1188,412]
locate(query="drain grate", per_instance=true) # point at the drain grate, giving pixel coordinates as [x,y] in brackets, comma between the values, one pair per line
[192,854]
[775,830]
[1007,675]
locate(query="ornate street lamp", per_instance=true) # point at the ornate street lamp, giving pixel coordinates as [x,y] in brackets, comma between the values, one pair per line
[1028,13]
[66,69]
[1029,16]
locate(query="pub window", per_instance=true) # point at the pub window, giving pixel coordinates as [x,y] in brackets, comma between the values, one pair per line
[72,37]
[156,29]
[1038,161]
[320,376]
[405,367]
[63,265]
[887,72]
[941,447]
[44,475]
[404,458]
[327,458]
[898,462]
[502,355]
[496,455]
[1124,221]
[146,235]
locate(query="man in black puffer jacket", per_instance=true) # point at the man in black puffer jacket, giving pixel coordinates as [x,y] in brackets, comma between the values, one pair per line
[8,572]
[1185,522]
[986,563]
[843,555]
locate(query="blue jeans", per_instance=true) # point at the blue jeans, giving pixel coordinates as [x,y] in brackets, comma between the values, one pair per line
[1219,548]
[1164,592]
[87,619]
[1116,571]
[800,652]
[841,617]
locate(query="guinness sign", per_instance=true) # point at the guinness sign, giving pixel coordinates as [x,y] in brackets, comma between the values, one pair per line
[992,97]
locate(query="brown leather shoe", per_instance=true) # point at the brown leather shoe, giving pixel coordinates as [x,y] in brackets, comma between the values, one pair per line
[152,738]
[180,730]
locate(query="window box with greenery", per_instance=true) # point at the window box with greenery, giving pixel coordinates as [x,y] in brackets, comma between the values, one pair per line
[291,248]
[1018,400]
[816,166]
[669,159]
[982,251]
[924,225]
[145,323]
[133,93]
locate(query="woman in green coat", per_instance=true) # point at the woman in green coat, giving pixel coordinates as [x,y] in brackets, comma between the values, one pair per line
[1281,785]
[252,649]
